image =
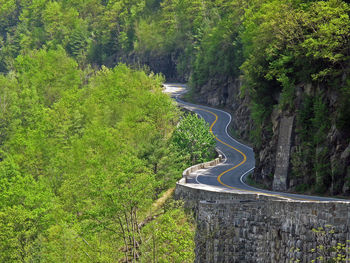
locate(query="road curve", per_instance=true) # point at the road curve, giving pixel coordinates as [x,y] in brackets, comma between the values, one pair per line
[239,158]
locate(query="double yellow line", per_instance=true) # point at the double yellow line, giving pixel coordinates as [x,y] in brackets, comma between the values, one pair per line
[228,145]
[242,162]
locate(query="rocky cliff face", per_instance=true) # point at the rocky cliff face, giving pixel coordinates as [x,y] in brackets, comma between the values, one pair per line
[226,93]
[331,156]
[293,153]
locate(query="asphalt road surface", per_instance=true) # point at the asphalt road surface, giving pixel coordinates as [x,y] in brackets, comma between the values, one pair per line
[239,159]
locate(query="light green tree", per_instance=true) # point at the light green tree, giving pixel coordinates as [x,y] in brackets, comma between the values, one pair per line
[193,138]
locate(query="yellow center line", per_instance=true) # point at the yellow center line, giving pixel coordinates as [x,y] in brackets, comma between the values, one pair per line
[242,162]
[228,145]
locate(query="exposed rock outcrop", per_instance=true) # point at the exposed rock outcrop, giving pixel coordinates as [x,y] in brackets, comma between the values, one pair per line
[280,178]
[226,93]
[299,164]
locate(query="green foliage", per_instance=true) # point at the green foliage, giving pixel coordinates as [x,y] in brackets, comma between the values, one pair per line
[311,157]
[8,105]
[270,28]
[258,115]
[287,94]
[326,249]
[40,71]
[286,43]
[218,53]
[171,238]
[25,212]
[192,137]
[84,152]
[328,42]
[81,146]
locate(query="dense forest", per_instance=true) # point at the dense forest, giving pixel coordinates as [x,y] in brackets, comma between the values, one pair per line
[90,149]
[84,157]
[89,143]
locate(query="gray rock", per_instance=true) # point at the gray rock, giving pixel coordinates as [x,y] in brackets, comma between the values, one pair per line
[265,229]
[346,153]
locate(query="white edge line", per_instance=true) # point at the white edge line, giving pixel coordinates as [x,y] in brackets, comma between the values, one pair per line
[230,119]
[243,175]
[209,108]
[260,191]
[197,180]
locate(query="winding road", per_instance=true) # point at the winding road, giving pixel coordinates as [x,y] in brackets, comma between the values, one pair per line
[239,159]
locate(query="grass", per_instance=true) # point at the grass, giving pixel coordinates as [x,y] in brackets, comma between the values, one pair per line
[159,203]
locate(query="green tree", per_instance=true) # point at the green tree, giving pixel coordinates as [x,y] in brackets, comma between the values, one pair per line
[25,212]
[170,238]
[48,73]
[193,138]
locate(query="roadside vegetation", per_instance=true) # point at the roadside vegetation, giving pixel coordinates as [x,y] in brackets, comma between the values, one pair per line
[293,57]
[90,149]
[88,144]
[84,156]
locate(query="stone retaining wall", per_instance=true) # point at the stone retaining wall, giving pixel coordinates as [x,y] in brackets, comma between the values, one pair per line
[248,227]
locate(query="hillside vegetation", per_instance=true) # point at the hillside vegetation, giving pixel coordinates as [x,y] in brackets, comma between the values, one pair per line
[88,144]
[294,60]
[82,161]
[90,148]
